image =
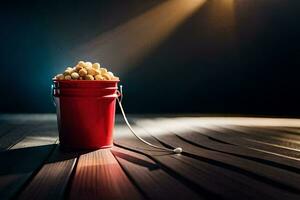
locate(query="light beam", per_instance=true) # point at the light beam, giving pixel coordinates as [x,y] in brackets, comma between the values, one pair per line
[128,43]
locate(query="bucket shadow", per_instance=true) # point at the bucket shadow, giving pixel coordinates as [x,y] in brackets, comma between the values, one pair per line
[23,160]
[135,160]
[18,165]
[28,159]
[61,154]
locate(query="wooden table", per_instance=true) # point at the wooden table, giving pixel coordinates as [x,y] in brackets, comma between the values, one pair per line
[223,158]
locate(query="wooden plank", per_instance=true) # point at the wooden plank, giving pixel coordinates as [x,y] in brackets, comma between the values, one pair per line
[220,144]
[51,180]
[263,172]
[37,130]
[24,129]
[272,137]
[237,139]
[212,180]
[98,175]
[278,132]
[8,122]
[21,161]
[283,146]
[150,178]
[224,142]
[27,118]
[290,130]
[14,136]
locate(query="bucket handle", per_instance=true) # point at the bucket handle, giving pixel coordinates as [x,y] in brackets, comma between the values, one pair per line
[120,94]
[52,94]
[176,150]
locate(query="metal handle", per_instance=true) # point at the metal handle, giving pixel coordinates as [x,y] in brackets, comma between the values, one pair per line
[176,150]
[52,94]
[120,93]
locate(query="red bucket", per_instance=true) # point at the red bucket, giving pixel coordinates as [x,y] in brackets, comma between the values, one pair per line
[85,113]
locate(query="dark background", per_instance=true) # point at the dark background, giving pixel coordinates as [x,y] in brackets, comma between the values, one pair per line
[206,65]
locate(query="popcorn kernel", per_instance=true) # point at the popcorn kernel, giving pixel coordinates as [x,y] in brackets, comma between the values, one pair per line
[88,64]
[96,66]
[92,71]
[111,74]
[67,72]
[75,75]
[106,76]
[99,77]
[78,67]
[81,63]
[60,77]
[82,72]
[98,72]
[89,77]
[103,70]
[68,77]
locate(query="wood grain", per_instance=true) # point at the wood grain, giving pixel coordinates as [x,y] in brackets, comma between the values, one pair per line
[24,129]
[223,159]
[271,137]
[201,173]
[277,132]
[218,139]
[257,170]
[98,175]
[51,180]
[20,162]
[222,144]
[290,130]
[241,140]
[150,178]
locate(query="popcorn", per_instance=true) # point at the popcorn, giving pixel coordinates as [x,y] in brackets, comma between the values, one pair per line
[67,72]
[88,64]
[86,71]
[96,66]
[92,71]
[59,77]
[78,67]
[98,71]
[81,63]
[115,78]
[75,75]
[83,72]
[110,74]
[106,76]
[99,77]
[103,70]
[68,77]
[89,77]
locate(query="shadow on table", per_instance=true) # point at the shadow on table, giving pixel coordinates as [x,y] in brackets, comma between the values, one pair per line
[134,160]
[23,160]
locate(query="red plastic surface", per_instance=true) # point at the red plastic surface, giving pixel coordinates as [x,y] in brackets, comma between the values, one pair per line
[85,113]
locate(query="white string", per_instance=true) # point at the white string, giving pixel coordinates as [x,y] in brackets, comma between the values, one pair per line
[177,150]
